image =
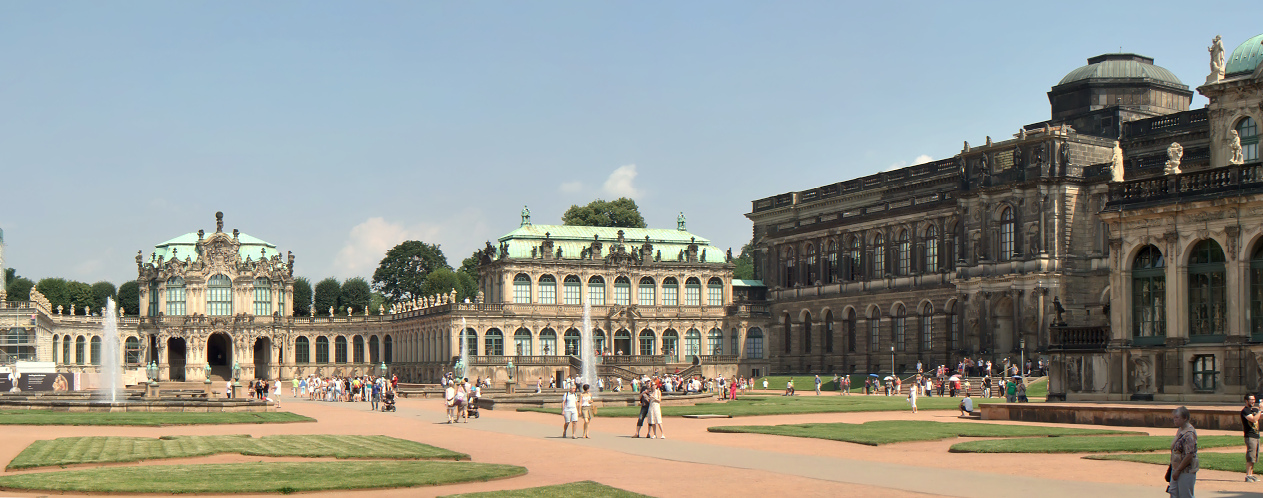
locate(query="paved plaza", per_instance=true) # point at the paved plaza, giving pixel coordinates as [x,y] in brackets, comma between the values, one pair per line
[692,461]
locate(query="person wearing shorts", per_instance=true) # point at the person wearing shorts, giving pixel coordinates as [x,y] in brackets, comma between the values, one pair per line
[1250,423]
[644,411]
[570,412]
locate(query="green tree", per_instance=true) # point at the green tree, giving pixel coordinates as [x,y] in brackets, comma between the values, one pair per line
[401,274]
[19,289]
[376,303]
[80,294]
[442,281]
[129,297]
[55,289]
[470,265]
[356,294]
[302,297]
[326,295]
[101,291]
[621,212]
[744,264]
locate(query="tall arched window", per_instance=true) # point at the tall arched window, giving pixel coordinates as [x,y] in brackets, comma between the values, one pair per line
[548,289]
[596,291]
[153,300]
[849,324]
[1248,131]
[813,268]
[65,350]
[548,342]
[374,350]
[853,259]
[521,289]
[831,263]
[807,333]
[81,354]
[262,297]
[953,327]
[623,343]
[357,349]
[219,296]
[1148,294]
[302,350]
[1007,228]
[471,342]
[574,289]
[132,348]
[175,297]
[754,343]
[791,265]
[494,340]
[900,327]
[598,341]
[692,292]
[905,253]
[648,343]
[1256,291]
[572,339]
[874,329]
[322,350]
[692,343]
[96,350]
[714,292]
[646,292]
[715,342]
[879,256]
[57,349]
[339,349]
[787,332]
[1207,306]
[622,291]
[670,292]
[828,331]
[671,345]
[931,249]
[388,350]
[522,342]
[927,328]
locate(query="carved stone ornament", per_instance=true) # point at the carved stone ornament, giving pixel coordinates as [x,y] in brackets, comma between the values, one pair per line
[1217,65]
[1234,146]
[1175,152]
[1116,165]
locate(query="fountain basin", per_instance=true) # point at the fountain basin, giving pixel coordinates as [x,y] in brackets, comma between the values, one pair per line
[90,402]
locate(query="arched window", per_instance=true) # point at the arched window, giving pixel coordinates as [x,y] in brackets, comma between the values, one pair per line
[219,296]
[153,300]
[931,249]
[692,343]
[302,350]
[132,348]
[692,292]
[754,343]
[714,292]
[670,292]
[828,331]
[494,340]
[471,342]
[787,332]
[853,259]
[596,291]
[262,297]
[521,289]
[927,328]
[953,327]
[1256,291]
[522,342]
[388,350]
[548,342]
[572,339]
[648,343]
[715,342]
[807,333]
[790,264]
[831,264]
[96,350]
[598,340]
[646,291]
[548,289]
[849,324]
[357,349]
[813,269]
[81,356]
[622,291]
[339,349]
[1007,228]
[65,350]
[322,350]
[623,343]
[671,345]
[879,256]
[735,344]
[1248,131]
[1148,294]
[374,350]
[900,327]
[175,297]
[1207,306]
[57,349]
[574,289]
[905,253]
[874,330]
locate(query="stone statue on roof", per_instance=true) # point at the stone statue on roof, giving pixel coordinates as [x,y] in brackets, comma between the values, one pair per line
[1216,50]
[219,221]
[1234,146]
[526,216]
[679,222]
[1116,166]
[1175,152]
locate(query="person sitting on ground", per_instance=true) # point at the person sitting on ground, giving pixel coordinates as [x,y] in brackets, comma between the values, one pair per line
[789,387]
[966,405]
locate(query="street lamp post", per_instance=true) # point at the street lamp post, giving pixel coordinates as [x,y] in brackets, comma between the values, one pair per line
[1021,366]
[892,362]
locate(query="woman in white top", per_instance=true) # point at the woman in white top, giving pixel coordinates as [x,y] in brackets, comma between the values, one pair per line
[655,413]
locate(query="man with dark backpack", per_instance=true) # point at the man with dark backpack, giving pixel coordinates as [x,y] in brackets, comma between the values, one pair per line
[644,410]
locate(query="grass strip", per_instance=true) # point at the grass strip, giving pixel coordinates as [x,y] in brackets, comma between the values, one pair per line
[110,449]
[1119,444]
[787,405]
[1231,462]
[899,431]
[47,417]
[581,489]
[261,477]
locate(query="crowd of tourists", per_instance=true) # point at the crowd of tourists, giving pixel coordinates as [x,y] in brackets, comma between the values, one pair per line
[378,391]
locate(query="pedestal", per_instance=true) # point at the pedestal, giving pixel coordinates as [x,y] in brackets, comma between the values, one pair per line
[151,390]
[509,387]
[207,388]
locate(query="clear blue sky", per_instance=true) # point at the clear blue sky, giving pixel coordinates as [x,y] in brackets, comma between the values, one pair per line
[336,129]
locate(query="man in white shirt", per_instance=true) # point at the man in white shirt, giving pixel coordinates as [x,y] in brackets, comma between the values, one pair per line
[449,395]
[966,405]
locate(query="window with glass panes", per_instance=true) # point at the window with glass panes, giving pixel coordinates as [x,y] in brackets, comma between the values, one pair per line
[900,327]
[828,332]
[1248,132]
[388,350]
[80,353]
[715,342]
[791,267]
[853,259]
[322,350]
[1148,293]
[931,250]
[927,329]
[175,297]
[1205,375]
[548,342]
[645,295]
[153,299]
[96,350]
[302,350]
[494,343]
[219,296]
[905,253]
[953,323]
[572,340]
[831,272]
[670,292]
[715,292]
[262,297]
[874,331]
[521,289]
[471,342]
[522,342]
[692,343]
[879,256]
[596,291]
[1207,313]
[280,298]
[339,350]
[754,343]
[850,325]
[812,268]
[1007,228]
[692,292]
[574,289]
[547,289]
[647,343]
[65,350]
[132,351]
[622,291]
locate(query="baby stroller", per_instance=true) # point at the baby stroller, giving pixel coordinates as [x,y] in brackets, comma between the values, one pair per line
[472,408]
[388,402]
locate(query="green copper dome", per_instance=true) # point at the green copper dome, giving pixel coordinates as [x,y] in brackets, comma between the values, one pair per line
[1121,66]
[1246,57]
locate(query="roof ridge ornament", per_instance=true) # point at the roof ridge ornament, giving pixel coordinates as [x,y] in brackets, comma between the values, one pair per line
[219,222]
[526,216]
[679,222]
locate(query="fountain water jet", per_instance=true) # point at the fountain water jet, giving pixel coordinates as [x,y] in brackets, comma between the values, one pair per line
[587,349]
[464,348]
[111,371]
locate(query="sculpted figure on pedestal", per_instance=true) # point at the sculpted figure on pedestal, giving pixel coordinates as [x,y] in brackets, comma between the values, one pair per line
[1216,50]
[1175,152]
[1234,146]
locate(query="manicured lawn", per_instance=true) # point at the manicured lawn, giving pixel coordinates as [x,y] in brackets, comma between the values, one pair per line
[582,489]
[265,477]
[898,431]
[46,417]
[1231,462]
[1037,389]
[104,449]
[1119,444]
[782,405]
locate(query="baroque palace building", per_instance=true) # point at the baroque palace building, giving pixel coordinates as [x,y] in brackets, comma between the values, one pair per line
[1064,243]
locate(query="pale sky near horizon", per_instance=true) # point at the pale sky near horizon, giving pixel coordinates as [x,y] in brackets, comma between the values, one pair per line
[337,129]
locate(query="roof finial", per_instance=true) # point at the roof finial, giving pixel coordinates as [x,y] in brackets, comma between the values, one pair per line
[219,221]
[679,222]
[526,216]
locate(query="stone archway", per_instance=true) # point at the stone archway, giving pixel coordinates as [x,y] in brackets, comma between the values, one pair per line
[262,358]
[219,355]
[176,359]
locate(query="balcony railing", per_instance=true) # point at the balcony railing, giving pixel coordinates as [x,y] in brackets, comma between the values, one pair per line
[1079,338]
[1186,185]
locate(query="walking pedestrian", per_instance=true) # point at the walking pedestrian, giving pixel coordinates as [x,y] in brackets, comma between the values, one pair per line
[569,412]
[1250,422]
[655,412]
[644,409]
[585,408]
[817,385]
[1182,474]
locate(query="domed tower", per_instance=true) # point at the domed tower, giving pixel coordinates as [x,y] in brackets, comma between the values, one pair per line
[1114,88]
[1236,105]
